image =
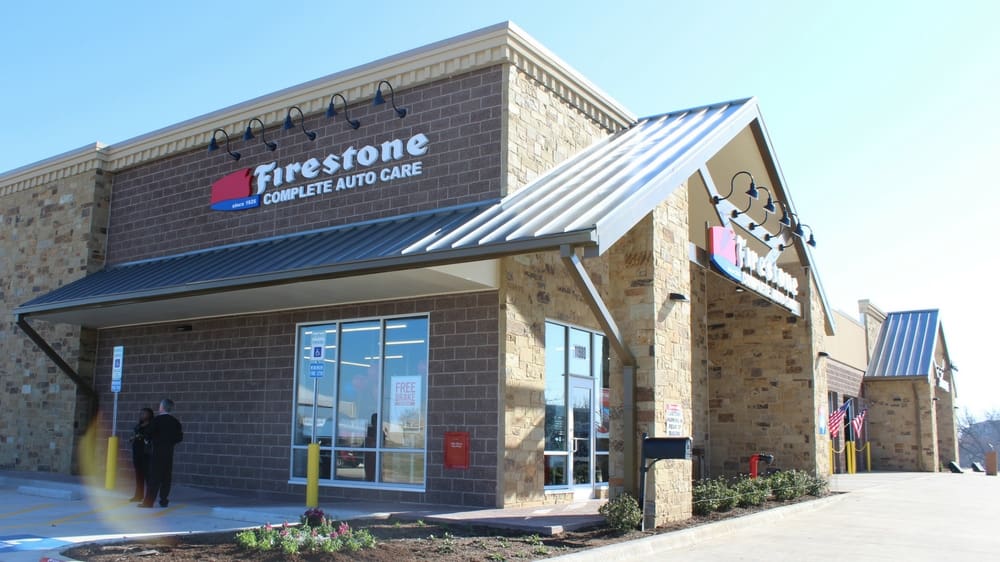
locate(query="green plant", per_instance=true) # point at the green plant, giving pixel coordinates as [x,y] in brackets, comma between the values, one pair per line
[622,512]
[713,495]
[752,491]
[304,538]
[789,484]
[817,486]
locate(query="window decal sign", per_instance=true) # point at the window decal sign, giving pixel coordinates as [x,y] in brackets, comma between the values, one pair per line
[730,255]
[352,168]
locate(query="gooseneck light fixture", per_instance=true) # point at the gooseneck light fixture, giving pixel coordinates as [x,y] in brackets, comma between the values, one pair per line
[248,134]
[811,241]
[302,122]
[752,191]
[379,100]
[331,111]
[213,145]
[768,208]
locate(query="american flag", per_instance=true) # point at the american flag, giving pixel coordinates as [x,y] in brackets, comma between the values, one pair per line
[836,420]
[859,422]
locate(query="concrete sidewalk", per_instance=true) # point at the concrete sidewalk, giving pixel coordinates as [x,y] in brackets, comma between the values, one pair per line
[885,516]
[882,516]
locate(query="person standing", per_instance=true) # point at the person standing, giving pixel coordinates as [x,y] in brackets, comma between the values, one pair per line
[140,453]
[164,433]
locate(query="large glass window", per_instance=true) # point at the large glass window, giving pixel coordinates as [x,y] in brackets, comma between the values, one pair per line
[364,401]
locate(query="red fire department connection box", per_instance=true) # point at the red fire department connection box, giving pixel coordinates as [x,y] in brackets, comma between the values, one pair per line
[456,449]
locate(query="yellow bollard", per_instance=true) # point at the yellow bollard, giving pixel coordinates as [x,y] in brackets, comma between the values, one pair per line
[831,458]
[868,455]
[851,458]
[112,467]
[312,476]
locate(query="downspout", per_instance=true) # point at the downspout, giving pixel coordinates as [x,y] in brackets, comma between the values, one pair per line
[54,356]
[603,315]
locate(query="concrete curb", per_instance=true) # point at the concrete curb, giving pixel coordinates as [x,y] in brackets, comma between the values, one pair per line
[648,547]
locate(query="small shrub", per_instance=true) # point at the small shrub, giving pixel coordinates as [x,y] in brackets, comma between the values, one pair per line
[817,486]
[752,491]
[622,512]
[705,497]
[728,496]
[789,484]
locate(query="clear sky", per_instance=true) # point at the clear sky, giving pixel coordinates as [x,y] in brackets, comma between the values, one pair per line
[884,115]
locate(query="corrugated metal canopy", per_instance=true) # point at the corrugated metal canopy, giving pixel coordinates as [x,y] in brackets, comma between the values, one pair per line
[609,187]
[905,345]
[591,200]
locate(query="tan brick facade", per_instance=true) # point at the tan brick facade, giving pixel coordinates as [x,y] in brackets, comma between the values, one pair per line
[51,234]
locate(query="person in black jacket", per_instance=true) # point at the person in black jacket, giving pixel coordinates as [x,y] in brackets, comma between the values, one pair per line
[140,453]
[164,432]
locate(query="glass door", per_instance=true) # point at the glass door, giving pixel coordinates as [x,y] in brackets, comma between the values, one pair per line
[581,401]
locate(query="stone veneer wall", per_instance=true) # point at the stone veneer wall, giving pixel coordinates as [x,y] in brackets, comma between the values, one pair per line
[233,381]
[50,235]
[700,413]
[944,408]
[540,131]
[766,390]
[901,421]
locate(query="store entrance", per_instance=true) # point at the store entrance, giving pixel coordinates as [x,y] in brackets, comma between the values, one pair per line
[581,399]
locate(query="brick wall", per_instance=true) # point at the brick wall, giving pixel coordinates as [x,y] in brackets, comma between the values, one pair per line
[541,130]
[50,235]
[162,208]
[901,424]
[763,396]
[233,378]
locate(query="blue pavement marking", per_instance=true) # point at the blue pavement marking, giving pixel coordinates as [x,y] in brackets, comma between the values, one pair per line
[13,543]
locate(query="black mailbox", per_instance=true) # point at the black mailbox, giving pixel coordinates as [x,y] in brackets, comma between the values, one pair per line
[667,448]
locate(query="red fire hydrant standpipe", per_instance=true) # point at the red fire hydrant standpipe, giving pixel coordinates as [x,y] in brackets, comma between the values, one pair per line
[755,459]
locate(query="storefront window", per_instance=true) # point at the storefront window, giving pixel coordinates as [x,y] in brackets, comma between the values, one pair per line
[370,399]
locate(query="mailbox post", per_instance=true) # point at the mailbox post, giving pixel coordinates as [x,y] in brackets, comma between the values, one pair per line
[656,449]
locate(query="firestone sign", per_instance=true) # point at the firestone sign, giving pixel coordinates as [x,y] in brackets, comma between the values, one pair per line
[270,184]
[729,253]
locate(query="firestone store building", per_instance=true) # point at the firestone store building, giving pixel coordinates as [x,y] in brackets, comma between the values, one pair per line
[464,271]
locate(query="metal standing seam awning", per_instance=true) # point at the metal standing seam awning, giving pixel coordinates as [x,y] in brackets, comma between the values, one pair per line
[906,346]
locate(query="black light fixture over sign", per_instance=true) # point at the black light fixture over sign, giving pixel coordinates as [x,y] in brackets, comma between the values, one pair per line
[302,122]
[213,145]
[331,111]
[248,134]
[379,100]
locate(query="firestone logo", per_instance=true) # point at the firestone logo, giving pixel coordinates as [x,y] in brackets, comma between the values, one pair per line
[249,188]
[729,253]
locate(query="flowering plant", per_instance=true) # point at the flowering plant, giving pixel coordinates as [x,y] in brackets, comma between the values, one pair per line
[323,536]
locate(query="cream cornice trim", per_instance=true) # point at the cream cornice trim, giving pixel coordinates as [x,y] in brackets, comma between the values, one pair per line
[503,43]
[83,159]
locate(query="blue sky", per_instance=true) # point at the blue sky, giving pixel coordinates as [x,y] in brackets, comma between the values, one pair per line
[883,115]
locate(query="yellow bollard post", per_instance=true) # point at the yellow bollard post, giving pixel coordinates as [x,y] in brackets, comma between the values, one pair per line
[831,458]
[850,458]
[112,468]
[312,476]
[868,455]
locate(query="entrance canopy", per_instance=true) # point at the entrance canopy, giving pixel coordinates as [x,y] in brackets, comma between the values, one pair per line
[590,201]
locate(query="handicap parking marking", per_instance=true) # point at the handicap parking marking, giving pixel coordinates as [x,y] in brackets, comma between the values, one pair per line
[14,543]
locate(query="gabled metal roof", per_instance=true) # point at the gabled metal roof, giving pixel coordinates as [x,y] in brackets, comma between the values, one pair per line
[905,345]
[609,187]
[592,199]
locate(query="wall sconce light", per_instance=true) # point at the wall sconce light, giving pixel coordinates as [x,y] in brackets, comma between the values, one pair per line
[213,144]
[752,191]
[331,111]
[823,354]
[801,234]
[248,134]
[302,122]
[952,367]
[768,208]
[678,297]
[379,100]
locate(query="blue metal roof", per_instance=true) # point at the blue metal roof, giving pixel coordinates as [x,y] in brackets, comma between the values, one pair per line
[905,345]
[300,256]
